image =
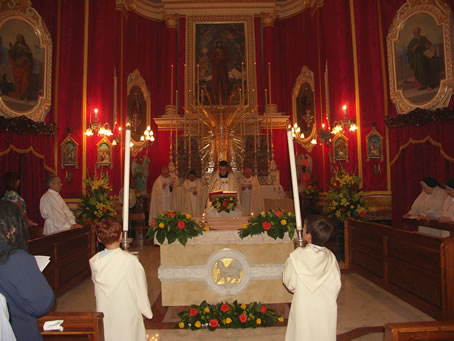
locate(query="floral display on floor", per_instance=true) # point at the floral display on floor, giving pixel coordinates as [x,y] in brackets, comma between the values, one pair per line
[311,192]
[276,223]
[345,197]
[224,204]
[174,226]
[228,315]
[97,203]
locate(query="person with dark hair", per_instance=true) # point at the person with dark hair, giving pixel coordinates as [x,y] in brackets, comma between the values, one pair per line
[429,202]
[121,288]
[447,211]
[21,282]
[312,274]
[163,197]
[194,198]
[223,180]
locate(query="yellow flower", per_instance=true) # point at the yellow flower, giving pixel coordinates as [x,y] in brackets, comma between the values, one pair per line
[259,321]
[188,216]
[197,324]
[351,206]
[290,214]
[262,213]
[161,225]
[280,319]
[283,222]
[244,226]
[207,309]
[228,320]
[206,228]
[243,306]
[181,325]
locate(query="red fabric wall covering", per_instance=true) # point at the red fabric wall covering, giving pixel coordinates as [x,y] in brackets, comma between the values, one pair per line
[258,63]
[181,60]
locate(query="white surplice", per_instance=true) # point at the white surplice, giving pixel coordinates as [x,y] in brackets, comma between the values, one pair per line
[428,204]
[312,274]
[448,208]
[193,203]
[121,294]
[57,215]
[251,196]
[162,199]
[229,183]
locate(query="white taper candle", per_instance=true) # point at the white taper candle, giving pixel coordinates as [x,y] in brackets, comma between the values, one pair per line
[126,177]
[296,198]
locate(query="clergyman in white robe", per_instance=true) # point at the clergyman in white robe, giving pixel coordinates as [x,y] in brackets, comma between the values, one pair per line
[121,294]
[224,181]
[194,199]
[251,194]
[162,194]
[429,202]
[447,211]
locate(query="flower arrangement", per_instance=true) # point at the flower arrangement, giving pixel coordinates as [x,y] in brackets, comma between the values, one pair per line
[345,197]
[228,315]
[275,223]
[311,192]
[174,226]
[97,203]
[224,203]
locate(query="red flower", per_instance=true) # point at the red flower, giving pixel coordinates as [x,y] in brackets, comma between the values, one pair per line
[243,318]
[180,225]
[224,203]
[263,309]
[362,214]
[153,223]
[278,213]
[171,214]
[266,225]
[225,308]
[193,312]
[214,323]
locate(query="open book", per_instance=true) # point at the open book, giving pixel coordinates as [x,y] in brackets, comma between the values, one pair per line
[214,195]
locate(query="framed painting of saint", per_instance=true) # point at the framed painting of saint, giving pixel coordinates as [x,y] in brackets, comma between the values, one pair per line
[340,148]
[25,64]
[104,153]
[69,152]
[221,54]
[419,47]
[374,142]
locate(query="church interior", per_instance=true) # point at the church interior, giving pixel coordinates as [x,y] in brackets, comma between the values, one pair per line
[340,108]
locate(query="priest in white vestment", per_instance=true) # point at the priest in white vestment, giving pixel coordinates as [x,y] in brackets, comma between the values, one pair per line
[447,211]
[194,199]
[251,193]
[312,274]
[429,202]
[58,217]
[224,180]
[162,194]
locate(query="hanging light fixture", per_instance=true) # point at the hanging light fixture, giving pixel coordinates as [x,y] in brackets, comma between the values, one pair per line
[95,126]
[341,125]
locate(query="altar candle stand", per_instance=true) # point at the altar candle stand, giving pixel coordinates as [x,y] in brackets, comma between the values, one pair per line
[296,198]
[126,186]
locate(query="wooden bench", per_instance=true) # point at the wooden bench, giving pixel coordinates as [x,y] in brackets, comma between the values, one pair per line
[417,268]
[419,331]
[413,224]
[77,326]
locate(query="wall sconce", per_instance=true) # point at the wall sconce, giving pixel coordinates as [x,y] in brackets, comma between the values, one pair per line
[148,135]
[341,125]
[95,126]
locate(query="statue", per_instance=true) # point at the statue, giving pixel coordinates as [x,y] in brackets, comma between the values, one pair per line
[273,177]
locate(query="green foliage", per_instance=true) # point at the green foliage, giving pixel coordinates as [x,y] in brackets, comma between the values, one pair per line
[275,223]
[345,197]
[228,315]
[224,203]
[174,226]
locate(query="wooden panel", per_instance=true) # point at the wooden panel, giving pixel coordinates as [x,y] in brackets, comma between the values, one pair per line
[412,253]
[368,263]
[419,331]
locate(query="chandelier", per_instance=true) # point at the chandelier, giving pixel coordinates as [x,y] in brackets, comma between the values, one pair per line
[345,124]
[297,134]
[95,126]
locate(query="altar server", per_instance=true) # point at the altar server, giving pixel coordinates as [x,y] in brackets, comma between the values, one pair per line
[121,288]
[313,275]
[447,211]
[162,196]
[251,193]
[224,180]
[429,202]
[58,217]
[193,195]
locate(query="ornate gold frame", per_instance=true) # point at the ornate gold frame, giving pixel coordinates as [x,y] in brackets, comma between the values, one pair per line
[442,15]
[305,76]
[104,163]
[69,139]
[374,132]
[190,71]
[136,79]
[30,16]
[340,136]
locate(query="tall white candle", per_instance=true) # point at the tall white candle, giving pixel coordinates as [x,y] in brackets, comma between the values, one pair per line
[296,198]
[126,177]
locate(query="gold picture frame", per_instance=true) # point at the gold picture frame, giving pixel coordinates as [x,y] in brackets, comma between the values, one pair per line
[26,80]
[374,143]
[419,48]
[340,148]
[303,105]
[104,153]
[237,31]
[69,150]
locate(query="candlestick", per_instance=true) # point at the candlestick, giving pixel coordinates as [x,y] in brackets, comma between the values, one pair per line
[345,111]
[266,98]
[126,185]
[296,198]
[96,114]
[171,84]
[269,81]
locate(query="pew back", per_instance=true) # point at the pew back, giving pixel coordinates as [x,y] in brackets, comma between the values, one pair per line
[419,331]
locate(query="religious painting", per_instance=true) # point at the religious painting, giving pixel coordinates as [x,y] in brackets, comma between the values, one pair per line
[220,69]
[25,64]
[420,56]
[374,142]
[104,153]
[139,168]
[69,152]
[139,110]
[303,104]
[340,148]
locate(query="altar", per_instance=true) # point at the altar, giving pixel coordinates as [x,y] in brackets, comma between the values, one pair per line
[219,266]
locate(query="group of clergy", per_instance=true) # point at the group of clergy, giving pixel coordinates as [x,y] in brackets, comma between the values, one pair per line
[192,195]
[435,202]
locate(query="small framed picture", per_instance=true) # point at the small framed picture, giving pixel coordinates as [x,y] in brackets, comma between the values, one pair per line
[69,152]
[374,142]
[340,148]
[104,153]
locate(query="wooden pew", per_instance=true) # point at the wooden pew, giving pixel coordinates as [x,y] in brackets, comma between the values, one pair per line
[417,268]
[77,326]
[419,331]
[413,224]
[69,252]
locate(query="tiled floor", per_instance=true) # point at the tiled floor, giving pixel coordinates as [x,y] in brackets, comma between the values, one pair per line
[360,304]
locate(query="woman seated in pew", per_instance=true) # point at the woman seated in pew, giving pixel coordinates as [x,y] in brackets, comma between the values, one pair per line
[429,202]
[447,211]
[11,185]
[26,290]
